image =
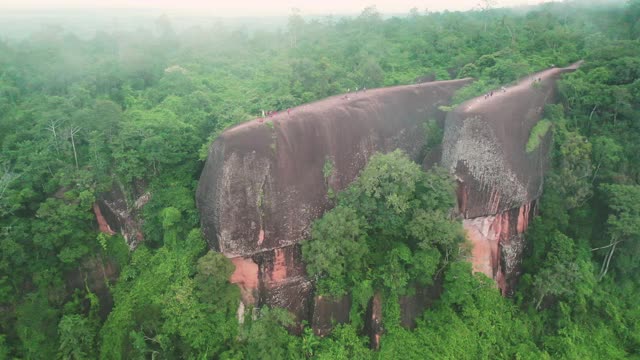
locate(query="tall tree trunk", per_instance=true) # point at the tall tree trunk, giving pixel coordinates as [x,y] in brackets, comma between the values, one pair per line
[607,260]
[75,154]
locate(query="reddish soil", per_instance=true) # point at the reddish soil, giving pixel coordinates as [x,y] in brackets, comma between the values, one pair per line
[246,276]
[102,222]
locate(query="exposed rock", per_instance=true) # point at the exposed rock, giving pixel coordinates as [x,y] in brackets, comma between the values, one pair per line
[498,243]
[275,278]
[103,225]
[327,312]
[266,180]
[94,274]
[115,214]
[374,321]
[413,306]
[263,183]
[498,181]
[245,276]
[484,146]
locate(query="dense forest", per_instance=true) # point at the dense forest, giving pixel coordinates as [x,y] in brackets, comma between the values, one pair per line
[79,116]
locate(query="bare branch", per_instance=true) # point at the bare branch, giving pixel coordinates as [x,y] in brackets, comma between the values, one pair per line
[73,130]
[607,246]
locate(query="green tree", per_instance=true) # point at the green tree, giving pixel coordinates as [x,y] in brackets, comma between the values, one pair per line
[77,338]
[337,251]
[623,227]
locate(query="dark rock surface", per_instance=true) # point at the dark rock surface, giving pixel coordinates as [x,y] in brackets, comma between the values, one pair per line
[327,312]
[115,214]
[484,145]
[498,180]
[266,180]
[263,183]
[96,275]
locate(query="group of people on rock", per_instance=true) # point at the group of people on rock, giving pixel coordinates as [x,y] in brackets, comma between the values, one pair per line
[490,93]
[270,114]
[346,96]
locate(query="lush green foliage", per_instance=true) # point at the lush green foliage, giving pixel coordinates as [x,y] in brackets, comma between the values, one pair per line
[538,133]
[390,228]
[137,110]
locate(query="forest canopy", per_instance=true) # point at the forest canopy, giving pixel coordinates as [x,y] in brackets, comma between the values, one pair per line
[81,115]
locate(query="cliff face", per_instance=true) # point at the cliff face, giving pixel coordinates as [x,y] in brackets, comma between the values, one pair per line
[114,214]
[498,180]
[264,182]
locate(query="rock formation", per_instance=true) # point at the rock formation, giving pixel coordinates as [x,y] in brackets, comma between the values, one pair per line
[499,181]
[266,180]
[114,214]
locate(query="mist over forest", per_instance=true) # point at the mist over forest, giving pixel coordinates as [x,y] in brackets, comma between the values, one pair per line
[107,120]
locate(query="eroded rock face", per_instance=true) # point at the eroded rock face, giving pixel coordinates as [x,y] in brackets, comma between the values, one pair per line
[266,180]
[498,244]
[114,214]
[96,275]
[327,312]
[498,180]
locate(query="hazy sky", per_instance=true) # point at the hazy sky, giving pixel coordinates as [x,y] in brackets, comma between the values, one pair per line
[263,7]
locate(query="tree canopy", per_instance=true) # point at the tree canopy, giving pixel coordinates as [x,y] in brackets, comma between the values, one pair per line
[82,113]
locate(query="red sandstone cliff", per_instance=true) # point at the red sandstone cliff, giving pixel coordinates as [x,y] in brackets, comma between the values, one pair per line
[265,182]
[498,181]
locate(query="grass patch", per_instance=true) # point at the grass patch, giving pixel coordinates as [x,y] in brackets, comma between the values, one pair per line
[537,134]
[269,123]
[327,169]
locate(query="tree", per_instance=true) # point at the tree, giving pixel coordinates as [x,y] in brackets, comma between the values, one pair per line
[77,336]
[267,338]
[336,253]
[623,226]
[389,232]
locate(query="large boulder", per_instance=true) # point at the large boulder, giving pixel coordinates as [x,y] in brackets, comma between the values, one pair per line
[266,180]
[498,180]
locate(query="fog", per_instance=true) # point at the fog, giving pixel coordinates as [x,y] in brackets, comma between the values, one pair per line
[265,8]
[84,18]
